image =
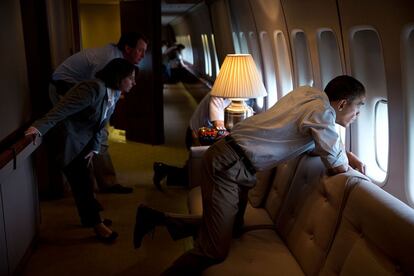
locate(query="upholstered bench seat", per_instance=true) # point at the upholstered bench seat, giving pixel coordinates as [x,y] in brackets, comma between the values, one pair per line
[301,222]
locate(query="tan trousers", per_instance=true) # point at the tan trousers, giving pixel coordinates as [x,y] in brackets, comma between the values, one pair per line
[224,194]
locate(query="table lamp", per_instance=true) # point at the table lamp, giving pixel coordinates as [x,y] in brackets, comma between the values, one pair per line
[238,80]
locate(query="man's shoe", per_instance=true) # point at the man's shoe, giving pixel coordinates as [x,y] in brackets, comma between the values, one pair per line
[118,189]
[160,172]
[145,222]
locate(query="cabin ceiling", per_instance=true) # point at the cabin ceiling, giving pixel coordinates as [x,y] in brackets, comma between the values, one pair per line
[170,9]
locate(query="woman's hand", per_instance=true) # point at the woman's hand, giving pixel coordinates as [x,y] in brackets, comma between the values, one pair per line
[89,157]
[34,132]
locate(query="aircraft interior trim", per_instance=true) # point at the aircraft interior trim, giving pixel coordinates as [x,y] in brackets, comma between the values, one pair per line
[299,220]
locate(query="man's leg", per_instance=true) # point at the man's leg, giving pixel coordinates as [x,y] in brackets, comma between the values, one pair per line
[178,225]
[223,171]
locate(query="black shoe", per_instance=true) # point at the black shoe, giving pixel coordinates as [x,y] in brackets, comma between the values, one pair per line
[106,222]
[118,189]
[160,172]
[109,239]
[145,222]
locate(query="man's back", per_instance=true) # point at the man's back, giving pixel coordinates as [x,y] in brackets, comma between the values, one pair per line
[295,124]
[84,64]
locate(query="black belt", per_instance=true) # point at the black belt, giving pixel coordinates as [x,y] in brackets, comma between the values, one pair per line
[239,151]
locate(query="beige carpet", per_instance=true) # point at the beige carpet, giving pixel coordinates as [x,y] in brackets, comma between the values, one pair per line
[65,248]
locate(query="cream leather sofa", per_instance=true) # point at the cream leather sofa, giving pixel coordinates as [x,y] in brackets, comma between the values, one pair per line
[301,222]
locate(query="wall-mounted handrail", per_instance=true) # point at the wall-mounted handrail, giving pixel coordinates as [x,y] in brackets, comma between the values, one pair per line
[194,72]
[11,153]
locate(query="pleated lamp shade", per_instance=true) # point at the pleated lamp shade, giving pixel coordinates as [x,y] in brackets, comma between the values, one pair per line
[238,78]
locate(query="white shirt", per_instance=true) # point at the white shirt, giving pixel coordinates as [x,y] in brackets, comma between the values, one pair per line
[84,64]
[298,122]
[208,110]
[112,98]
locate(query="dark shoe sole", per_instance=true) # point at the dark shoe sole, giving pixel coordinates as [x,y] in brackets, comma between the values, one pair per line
[145,221]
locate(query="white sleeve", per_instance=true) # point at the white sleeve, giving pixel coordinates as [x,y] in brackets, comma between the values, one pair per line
[327,142]
[217,106]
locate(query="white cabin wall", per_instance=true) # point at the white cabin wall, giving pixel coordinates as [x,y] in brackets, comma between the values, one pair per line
[221,23]
[15,107]
[270,23]
[388,17]
[245,27]
[311,16]
[250,19]
[18,192]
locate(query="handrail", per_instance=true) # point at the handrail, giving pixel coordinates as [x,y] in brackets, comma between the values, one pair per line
[190,69]
[11,152]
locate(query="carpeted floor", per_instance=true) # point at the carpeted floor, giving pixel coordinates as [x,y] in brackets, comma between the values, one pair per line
[65,248]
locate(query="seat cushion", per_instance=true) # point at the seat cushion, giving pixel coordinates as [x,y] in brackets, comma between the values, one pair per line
[258,252]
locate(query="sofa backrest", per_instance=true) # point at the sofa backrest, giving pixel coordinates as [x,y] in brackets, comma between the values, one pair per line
[311,212]
[375,235]
[272,186]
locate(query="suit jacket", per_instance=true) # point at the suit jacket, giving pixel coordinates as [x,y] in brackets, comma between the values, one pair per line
[77,120]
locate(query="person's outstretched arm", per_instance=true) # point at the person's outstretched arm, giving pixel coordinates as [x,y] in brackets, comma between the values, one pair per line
[355,162]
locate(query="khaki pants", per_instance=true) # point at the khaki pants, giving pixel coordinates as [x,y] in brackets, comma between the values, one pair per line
[224,194]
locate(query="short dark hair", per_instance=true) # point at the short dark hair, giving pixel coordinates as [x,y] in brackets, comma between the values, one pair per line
[130,39]
[344,88]
[114,72]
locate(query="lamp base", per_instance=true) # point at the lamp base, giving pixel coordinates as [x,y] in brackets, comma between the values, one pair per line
[237,111]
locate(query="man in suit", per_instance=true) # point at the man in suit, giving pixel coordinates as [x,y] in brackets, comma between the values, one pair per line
[83,66]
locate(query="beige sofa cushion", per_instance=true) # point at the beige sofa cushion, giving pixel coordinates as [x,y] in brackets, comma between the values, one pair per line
[375,236]
[280,186]
[258,193]
[311,213]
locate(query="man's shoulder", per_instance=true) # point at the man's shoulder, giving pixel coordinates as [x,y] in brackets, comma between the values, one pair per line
[93,85]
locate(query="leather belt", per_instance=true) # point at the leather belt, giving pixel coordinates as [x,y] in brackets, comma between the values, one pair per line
[239,151]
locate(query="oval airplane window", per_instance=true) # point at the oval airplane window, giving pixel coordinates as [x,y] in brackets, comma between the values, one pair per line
[367,65]
[207,55]
[269,69]
[329,58]
[216,62]
[284,69]
[237,49]
[301,58]
[244,48]
[255,51]
[407,61]
[381,140]
[187,52]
